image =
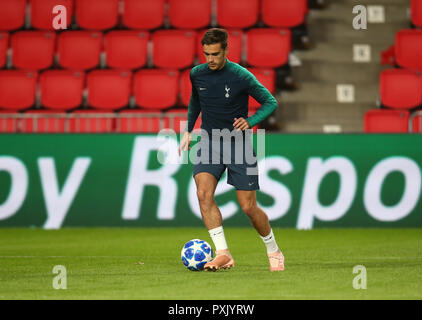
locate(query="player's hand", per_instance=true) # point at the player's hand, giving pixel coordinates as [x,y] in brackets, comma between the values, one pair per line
[185,143]
[241,124]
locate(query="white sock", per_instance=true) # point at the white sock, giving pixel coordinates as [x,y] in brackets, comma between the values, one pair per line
[270,243]
[217,236]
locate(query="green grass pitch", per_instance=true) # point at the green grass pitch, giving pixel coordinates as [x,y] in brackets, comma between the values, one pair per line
[102,263]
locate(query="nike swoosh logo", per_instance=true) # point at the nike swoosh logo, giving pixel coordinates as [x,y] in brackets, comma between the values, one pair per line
[202,89]
[251,183]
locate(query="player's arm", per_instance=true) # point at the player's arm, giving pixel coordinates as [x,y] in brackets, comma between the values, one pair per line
[264,97]
[194,109]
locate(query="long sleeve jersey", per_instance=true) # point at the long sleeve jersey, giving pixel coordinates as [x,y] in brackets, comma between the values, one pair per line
[223,95]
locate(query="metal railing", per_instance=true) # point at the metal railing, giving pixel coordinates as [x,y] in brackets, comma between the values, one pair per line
[90,122]
[411,119]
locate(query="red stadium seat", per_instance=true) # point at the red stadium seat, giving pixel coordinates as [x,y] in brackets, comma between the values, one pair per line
[33,50]
[62,89]
[400,88]
[234,45]
[175,119]
[156,89]
[267,78]
[43,121]
[12,14]
[17,89]
[174,49]
[8,123]
[42,13]
[268,47]
[91,121]
[126,49]
[417,124]
[283,14]
[109,89]
[416,12]
[138,121]
[97,14]
[190,14]
[237,13]
[386,121]
[185,87]
[408,49]
[4,45]
[79,50]
[143,14]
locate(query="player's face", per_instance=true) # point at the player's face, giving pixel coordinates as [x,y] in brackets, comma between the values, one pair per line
[215,56]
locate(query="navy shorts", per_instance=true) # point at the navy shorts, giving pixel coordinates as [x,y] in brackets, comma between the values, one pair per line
[242,171]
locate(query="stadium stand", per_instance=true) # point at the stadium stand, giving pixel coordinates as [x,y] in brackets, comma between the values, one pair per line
[416,122]
[237,13]
[181,45]
[416,13]
[189,14]
[126,49]
[185,88]
[12,14]
[109,89]
[148,88]
[268,47]
[401,88]
[4,45]
[143,14]
[79,50]
[283,14]
[139,121]
[386,121]
[97,14]
[8,123]
[408,49]
[42,13]
[76,74]
[33,50]
[91,121]
[43,121]
[175,118]
[17,89]
[61,89]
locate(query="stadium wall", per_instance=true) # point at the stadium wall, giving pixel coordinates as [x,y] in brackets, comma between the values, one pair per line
[306,181]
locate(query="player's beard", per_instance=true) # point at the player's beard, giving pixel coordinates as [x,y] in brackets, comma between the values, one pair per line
[216,66]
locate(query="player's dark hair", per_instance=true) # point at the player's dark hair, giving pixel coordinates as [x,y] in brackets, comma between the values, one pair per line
[215,35]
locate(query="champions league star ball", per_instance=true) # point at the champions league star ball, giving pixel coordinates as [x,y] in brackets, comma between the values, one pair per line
[195,254]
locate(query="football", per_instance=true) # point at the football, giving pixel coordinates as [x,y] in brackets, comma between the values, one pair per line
[195,254]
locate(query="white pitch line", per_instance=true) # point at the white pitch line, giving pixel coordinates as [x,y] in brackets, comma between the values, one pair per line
[30,257]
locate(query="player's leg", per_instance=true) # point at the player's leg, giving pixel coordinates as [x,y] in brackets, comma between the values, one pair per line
[211,215]
[248,204]
[259,219]
[205,188]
